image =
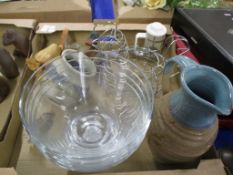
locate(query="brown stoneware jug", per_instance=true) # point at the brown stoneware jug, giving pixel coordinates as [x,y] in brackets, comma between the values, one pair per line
[185,122]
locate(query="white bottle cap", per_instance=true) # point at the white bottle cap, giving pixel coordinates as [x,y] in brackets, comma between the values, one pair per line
[156,29]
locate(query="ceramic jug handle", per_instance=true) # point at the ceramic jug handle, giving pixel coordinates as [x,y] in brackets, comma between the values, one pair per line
[170,79]
[232,98]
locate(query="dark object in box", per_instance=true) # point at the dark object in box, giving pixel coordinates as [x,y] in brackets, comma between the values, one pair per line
[210,33]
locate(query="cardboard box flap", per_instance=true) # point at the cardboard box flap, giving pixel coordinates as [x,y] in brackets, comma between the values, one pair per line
[7,171]
[206,167]
[9,123]
[25,26]
[24,23]
[47,10]
[47,28]
[48,6]
[5,106]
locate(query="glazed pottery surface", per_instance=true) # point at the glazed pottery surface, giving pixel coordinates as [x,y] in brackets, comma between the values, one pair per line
[185,123]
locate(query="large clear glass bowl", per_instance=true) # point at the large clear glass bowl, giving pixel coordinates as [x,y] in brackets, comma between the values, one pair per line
[87,113]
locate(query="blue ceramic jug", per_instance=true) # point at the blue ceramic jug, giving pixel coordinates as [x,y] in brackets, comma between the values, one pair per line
[204,92]
[185,123]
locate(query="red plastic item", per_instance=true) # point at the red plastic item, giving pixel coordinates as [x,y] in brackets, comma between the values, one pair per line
[180,45]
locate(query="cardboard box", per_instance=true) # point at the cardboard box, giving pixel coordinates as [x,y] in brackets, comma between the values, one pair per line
[128,14]
[9,118]
[31,161]
[47,10]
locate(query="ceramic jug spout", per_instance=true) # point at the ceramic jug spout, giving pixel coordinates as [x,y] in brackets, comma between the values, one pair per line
[204,94]
[213,88]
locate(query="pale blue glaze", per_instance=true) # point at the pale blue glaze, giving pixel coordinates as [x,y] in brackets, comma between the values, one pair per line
[204,93]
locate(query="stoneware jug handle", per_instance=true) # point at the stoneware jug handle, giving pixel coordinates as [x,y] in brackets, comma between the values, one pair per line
[170,79]
[232,98]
